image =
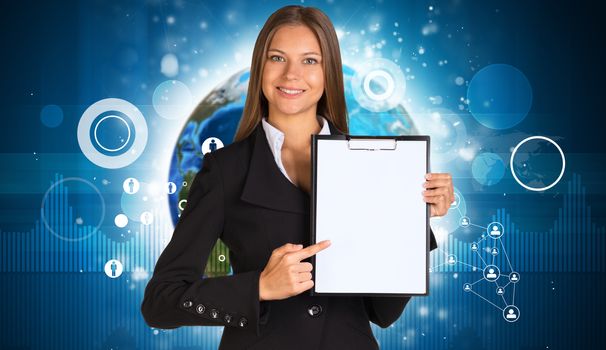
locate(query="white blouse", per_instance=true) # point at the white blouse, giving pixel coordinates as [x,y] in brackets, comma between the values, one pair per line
[275,139]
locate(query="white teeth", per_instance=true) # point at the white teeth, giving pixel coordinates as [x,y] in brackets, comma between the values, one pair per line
[290,92]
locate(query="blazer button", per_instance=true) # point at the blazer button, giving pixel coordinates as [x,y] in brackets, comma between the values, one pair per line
[188,303]
[314,310]
[243,322]
[200,308]
[227,318]
[214,313]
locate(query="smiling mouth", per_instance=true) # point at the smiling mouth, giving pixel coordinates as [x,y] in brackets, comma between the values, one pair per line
[292,92]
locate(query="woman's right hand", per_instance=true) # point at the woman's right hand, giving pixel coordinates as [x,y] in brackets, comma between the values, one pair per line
[285,275]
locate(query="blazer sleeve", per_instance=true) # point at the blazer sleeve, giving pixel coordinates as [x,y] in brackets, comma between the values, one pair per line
[177,294]
[383,311]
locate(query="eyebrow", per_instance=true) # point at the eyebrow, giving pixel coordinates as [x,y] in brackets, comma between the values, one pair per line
[305,53]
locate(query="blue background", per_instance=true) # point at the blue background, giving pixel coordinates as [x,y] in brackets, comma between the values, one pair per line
[54,294]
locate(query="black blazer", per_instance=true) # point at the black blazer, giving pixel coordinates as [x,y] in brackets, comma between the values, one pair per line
[241,196]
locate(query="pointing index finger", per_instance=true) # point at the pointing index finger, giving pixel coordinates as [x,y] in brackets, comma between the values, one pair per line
[311,250]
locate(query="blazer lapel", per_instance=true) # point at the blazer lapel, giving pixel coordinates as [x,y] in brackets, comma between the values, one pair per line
[265,185]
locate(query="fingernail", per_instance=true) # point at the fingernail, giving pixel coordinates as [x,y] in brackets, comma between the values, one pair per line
[428,176]
[299,246]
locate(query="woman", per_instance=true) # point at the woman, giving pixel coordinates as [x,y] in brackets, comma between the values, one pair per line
[254,195]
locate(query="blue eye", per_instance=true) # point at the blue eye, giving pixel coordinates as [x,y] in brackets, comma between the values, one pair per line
[311,59]
[274,56]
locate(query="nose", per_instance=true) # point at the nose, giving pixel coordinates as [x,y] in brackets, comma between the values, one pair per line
[293,71]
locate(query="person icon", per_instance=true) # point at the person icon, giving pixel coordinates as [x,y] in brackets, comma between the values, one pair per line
[495,231]
[451,260]
[113,268]
[494,251]
[474,247]
[491,273]
[500,291]
[514,277]
[467,287]
[465,221]
[130,185]
[211,144]
[146,218]
[511,313]
[171,187]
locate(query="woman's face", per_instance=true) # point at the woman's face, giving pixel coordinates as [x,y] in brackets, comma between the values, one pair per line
[293,63]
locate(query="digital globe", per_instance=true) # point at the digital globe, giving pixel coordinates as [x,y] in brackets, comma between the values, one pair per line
[218,115]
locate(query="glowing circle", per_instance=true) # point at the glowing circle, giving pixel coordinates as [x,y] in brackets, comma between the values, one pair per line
[392,83]
[388,90]
[172,100]
[499,96]
[100,207]
[124,108]
[488,169]
[535,188]
[121,220]
[97,138]
[51,116]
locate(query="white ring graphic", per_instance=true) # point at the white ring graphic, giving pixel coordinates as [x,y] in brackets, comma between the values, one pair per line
[388,90]
[537,138]
[140,133]
[127,138]
[182,204]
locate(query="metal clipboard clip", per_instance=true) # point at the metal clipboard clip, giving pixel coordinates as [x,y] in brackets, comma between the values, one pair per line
[361,144]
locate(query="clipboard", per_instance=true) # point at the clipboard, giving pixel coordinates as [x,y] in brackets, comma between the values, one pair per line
[367,199]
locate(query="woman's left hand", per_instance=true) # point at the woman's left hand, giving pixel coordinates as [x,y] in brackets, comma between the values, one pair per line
[438,192]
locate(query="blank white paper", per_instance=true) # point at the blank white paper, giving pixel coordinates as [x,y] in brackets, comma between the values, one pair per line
[370,205]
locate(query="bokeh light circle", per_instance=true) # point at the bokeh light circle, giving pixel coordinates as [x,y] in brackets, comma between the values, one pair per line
[51,116]
[121,220]
[447,131]
[84,204]
[500,96]
[488,168]
[172,100]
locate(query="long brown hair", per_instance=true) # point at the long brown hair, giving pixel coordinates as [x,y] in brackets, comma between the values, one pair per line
[332,103]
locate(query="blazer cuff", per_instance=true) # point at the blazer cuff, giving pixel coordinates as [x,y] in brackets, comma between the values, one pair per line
[231,301]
